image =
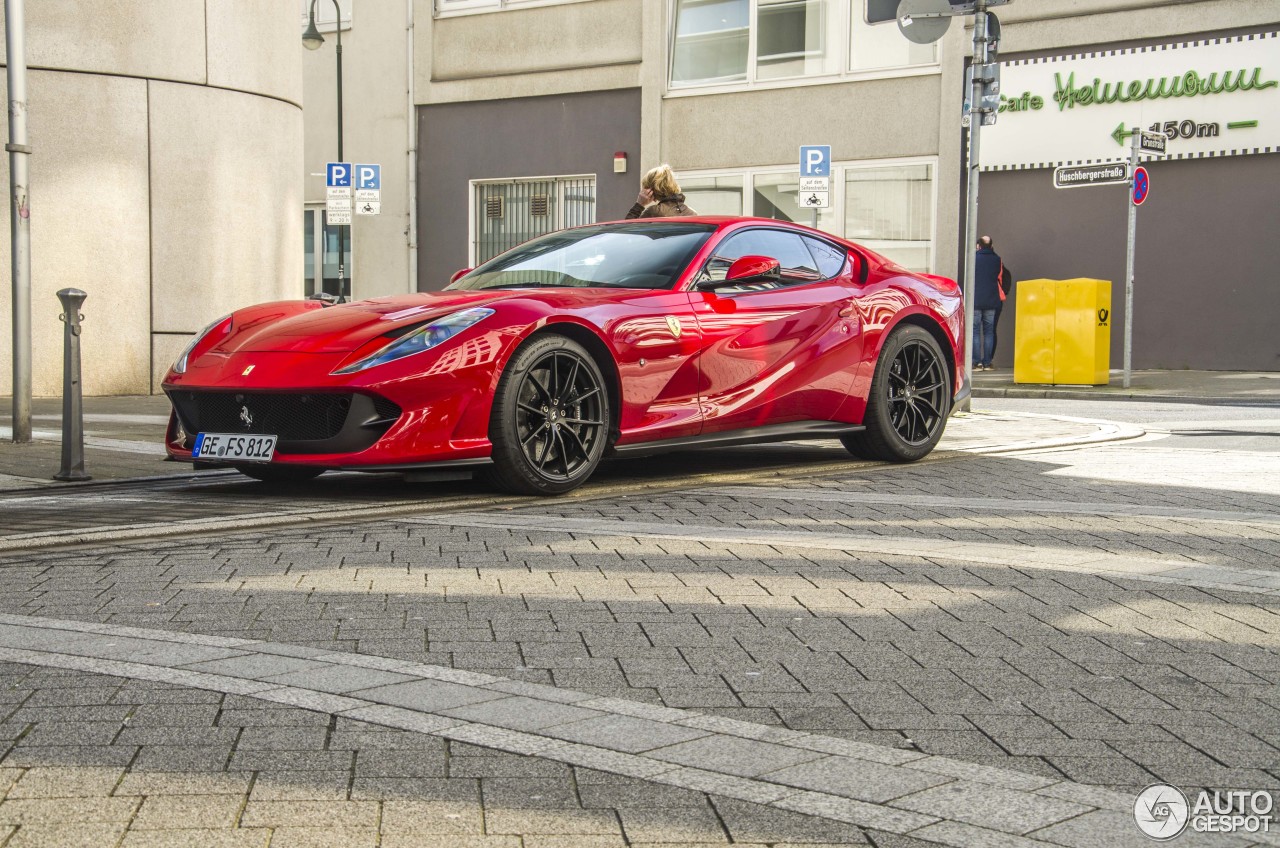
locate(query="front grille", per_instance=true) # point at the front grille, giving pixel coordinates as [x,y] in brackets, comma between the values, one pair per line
[291,417]
[305,423]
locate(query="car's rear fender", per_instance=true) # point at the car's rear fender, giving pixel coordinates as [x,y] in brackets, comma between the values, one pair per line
[917,315]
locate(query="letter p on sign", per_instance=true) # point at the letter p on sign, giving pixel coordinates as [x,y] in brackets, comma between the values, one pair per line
[337,174]
[815,160]
[368,176]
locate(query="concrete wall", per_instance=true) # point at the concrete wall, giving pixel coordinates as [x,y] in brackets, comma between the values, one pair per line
[537,136]
[166,138]
[565,48]
[376,125]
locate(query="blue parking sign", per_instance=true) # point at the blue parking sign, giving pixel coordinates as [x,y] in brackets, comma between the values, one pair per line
[369,177]
[337,174]
[815,160]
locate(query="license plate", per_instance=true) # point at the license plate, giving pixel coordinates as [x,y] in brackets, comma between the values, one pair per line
[235,446]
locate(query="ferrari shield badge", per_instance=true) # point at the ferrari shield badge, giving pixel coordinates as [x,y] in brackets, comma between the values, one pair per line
[247,370]
[674,324]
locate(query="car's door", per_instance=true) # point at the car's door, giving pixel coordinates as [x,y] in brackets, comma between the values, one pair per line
[776,352]
[655,339]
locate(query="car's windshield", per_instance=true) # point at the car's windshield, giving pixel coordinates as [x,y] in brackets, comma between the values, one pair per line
[633,256]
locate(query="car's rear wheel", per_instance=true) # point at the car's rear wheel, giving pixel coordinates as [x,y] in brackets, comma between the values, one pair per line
[550,418]
[280,473]
[909,400]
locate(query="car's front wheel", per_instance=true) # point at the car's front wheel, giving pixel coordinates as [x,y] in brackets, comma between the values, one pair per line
[280,473]
[909,400]
[550,418]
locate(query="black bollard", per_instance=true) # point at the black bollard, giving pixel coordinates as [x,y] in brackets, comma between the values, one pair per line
[72,399]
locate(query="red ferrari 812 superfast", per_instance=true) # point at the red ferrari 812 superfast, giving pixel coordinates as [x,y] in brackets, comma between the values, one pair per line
[611,339]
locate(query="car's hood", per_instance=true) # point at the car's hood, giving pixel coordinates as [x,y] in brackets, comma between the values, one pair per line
[344,328]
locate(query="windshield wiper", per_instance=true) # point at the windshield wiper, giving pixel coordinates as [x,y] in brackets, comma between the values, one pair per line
[530,286]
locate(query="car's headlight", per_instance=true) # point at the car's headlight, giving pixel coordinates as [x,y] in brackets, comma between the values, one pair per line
[423,338]
[180,366]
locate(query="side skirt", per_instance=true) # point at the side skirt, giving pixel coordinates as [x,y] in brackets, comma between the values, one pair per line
[751,436]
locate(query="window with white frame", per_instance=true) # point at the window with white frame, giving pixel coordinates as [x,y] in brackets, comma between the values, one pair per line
[728,42]
[449,7]
[890,208]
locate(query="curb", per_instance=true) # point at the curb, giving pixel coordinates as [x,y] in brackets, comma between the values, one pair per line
[1080,394]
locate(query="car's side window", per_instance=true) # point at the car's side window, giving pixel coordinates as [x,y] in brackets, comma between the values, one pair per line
[798,263]
[830,258]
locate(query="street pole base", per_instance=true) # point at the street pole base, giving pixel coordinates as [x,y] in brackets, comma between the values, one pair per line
[73,476]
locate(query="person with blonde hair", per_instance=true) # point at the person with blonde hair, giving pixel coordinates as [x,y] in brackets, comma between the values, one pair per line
[659,196]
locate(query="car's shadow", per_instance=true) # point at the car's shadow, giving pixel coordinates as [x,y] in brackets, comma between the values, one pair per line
[692,464]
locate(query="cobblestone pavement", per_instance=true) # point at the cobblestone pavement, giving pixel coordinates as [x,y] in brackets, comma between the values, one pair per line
[218,501]
[989,649]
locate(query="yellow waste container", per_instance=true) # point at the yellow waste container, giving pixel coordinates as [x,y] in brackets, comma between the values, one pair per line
[1063,332]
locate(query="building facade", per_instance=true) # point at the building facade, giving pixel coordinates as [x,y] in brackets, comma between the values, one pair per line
[517,117]
[166,138]
[1205,74]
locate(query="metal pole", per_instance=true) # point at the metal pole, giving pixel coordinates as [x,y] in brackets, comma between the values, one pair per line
[19,216]
[971,212]
[342,228]
[815,217]
[72,392]
[1128,262]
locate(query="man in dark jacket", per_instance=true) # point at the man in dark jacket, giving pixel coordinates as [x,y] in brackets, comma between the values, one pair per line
[986,303]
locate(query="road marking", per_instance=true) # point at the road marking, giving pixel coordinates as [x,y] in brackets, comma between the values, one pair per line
[1077,560]
[882,788]
[992,504]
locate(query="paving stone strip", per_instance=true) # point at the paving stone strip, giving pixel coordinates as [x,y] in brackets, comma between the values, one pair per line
[944,800]
[1079,560]
[1112,510]
[1106,431]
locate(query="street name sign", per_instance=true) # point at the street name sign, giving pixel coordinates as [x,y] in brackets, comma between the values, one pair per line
[1153,142]
[1074,176]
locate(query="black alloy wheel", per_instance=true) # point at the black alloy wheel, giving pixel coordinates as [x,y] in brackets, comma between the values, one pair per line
[909,400]
[550,418]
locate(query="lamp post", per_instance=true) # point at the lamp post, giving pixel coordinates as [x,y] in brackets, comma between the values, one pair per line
[312,40]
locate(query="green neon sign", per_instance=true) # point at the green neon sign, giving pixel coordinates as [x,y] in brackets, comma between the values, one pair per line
[1190,84]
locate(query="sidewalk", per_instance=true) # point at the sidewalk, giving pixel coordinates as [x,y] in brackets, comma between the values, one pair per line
[1208,387]
[123,435]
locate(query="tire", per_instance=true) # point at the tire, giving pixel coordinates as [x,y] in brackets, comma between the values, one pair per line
[909,400]
[550,418]
[280,473]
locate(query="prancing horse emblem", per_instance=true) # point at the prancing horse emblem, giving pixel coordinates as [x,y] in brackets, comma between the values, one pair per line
[673,323]
[246,416]
[246,371]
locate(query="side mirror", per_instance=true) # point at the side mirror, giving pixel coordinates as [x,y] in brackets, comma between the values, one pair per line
[745,270]
[459,274]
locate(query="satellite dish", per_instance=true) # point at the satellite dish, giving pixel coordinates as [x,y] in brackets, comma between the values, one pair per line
[924,21]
